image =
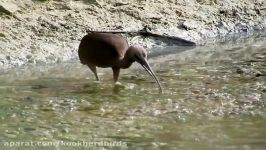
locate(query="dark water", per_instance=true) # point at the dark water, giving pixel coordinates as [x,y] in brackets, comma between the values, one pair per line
[214,98]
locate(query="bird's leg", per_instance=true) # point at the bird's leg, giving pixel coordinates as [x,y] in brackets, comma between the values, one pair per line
[116,73]
[93,69]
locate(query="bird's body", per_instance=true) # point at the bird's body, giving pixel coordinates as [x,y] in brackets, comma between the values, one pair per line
[102,49]
[110,50]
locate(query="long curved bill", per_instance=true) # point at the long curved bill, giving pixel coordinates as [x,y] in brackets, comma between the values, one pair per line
[147,67]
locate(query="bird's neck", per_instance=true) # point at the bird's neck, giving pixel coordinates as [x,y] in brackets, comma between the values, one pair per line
[126,61]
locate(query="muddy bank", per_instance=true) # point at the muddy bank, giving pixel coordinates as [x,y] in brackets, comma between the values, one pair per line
[41,32]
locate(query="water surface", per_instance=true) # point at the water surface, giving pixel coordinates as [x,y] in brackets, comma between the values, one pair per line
[214,98]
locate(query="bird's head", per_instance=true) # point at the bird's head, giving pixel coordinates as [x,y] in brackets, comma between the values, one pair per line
[139,54]
[136,52]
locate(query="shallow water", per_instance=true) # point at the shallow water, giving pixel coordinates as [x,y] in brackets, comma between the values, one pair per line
[214,98]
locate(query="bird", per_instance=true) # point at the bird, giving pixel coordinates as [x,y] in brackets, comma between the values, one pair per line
[98,49]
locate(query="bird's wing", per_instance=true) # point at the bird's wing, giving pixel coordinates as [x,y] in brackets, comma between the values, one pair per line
[102,49]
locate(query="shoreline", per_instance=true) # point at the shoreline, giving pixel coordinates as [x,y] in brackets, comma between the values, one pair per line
[156,53]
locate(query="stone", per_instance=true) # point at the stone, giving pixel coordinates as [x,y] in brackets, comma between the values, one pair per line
[190,24]
[8,8]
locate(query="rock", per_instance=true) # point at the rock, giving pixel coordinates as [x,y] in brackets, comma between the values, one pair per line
[2,35]
[117,4]
[8,8]
[190,24]
[239,71]
[259,74]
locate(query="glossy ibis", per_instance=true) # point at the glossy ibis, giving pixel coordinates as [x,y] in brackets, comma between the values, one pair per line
[110,50]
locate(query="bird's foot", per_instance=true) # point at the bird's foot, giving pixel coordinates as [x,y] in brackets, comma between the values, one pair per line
[119,85]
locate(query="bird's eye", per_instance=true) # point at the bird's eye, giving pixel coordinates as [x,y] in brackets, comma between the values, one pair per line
[144,55]
[136,57]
